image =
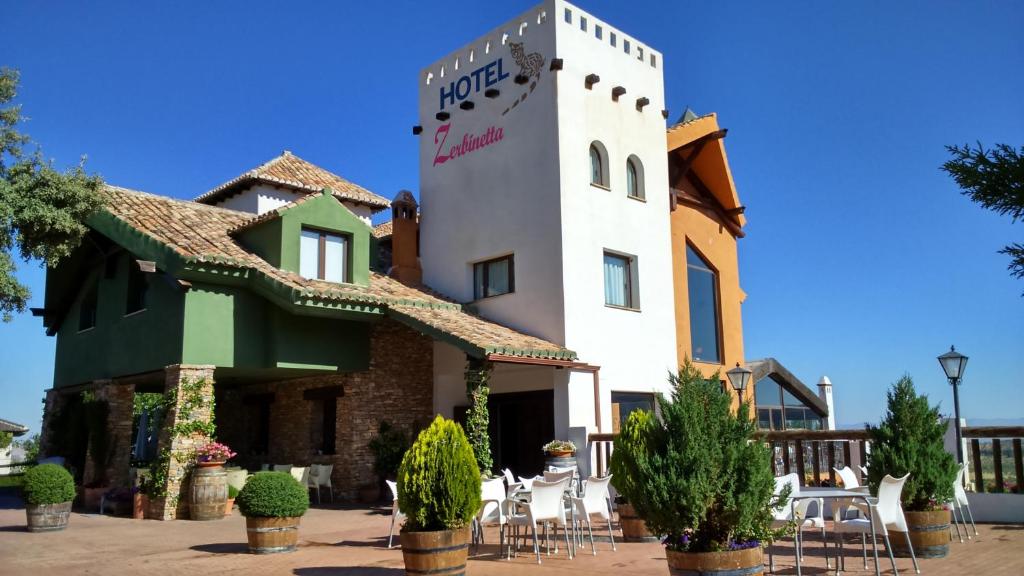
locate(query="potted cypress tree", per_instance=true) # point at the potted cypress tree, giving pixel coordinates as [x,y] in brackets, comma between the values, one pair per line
[697,476]
[272,503]
[910,440]
[439,491]
[48,490]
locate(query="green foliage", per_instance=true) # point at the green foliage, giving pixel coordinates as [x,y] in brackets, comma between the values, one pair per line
[388,447]
[232,492]
[696,475]
[438,481]
[97,412]
[5,440]
[154,483]
[42,210]
[478,419]
[910,440]
[995,180]
[48,484]
[30,446]
[273,495]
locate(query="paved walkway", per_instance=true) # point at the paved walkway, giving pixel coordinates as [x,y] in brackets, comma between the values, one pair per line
[353,541]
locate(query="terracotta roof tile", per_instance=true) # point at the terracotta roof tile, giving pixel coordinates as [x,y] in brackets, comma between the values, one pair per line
[202,233]
[290,171]
[382,230]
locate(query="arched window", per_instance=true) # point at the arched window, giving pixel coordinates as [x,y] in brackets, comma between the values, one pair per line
[702,280]
[598,165]
[634,178]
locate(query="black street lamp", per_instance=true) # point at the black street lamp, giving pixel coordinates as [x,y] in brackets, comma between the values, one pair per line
[953,364]
[738,377]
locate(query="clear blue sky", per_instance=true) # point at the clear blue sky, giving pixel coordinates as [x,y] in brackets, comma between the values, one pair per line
[861,259]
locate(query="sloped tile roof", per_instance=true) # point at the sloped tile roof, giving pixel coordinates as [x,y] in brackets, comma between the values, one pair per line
[290,171]
[12,427]
[383,230]
[202,233]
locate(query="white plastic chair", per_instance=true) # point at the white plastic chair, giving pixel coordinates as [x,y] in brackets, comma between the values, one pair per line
[886,515]
[492,510]
[784,511]
[850,482]
[301,474]
[545,506]
[864,471]
[528,482]
[396,514]
[595,500]
[510,479]
[960,503]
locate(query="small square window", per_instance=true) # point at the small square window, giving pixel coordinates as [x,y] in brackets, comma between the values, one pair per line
[138,286]
[493,277]
[568,16]
[654,61]
[640,53]
[598,31]
[612,37]
[625,46]
[621,281]
[323,256]
[583,23]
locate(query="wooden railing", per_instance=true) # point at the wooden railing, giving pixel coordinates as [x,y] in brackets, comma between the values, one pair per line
[822,450]
[995,436]
[600,452]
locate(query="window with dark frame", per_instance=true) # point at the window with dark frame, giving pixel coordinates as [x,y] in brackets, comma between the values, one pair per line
[634,178]
[87,307]
[624,403]
[494,277]
[705,316]
[323,418]
[620,276]
[780,409]
[324,255]
[138,288]
[597,172]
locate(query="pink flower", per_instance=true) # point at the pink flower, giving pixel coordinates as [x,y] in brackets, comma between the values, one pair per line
[214,452]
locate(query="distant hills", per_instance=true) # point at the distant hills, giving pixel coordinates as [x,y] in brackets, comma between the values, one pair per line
[970,422]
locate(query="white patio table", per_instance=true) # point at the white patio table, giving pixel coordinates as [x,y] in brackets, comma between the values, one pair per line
[837,494]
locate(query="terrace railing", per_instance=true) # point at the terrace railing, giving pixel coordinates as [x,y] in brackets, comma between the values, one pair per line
[994,449]
[815,454]
[600,452]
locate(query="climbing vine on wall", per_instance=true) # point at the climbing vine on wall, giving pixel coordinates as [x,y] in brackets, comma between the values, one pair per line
[477,419]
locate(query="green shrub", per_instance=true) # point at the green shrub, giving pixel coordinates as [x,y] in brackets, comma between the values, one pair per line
[388,447]
[273,495]
[48,484]
[232,491]
[910,440]
[695,476]
[439,481]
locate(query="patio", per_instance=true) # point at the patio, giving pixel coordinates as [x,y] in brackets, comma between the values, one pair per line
[344,540]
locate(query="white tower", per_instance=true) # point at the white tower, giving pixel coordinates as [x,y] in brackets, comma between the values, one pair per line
[506,127]
[825,393]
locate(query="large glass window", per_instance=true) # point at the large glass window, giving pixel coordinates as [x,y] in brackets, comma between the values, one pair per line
[620,281]
[624,403]
[493,277]
[780,409]
[138,287]
[704,319]
[323,256]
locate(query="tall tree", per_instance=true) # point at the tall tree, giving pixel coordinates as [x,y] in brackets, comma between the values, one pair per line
[995,179]
[42,209]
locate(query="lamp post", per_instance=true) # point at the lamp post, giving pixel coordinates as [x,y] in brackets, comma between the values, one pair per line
[953,364]
[738,377]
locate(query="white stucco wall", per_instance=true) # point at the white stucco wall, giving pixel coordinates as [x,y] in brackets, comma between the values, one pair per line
[529,194]
[264,198]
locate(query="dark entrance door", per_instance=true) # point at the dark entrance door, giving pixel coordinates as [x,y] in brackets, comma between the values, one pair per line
[521,422]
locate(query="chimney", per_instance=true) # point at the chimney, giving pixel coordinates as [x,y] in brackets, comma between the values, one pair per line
[825,393]
[405,239]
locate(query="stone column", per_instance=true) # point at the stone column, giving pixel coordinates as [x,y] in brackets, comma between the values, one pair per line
[183,431]
[119,398]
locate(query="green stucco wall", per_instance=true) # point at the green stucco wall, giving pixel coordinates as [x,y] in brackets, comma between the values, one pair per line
[119,345]
[265,241]
[326,213]
[229,327]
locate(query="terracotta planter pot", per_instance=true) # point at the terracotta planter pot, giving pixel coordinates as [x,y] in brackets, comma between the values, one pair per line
[140,503]
[732,563]
[229,506]
[929,534]
[443,552]
[633,527]
[272,535]
[561,453]
[47,517]
[210,464]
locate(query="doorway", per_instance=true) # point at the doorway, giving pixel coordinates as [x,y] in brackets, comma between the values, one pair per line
[521,423]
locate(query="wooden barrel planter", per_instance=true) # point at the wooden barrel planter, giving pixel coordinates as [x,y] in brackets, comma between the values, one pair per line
[633,527]
[732,563]
[272,535]
[929,535]
[442,553]
[208,494]
[47,517]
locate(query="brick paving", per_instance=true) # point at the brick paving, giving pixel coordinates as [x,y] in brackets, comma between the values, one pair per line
[349,541]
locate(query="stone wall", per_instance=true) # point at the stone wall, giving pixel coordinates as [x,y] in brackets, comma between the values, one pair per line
[398,387]
[119,398]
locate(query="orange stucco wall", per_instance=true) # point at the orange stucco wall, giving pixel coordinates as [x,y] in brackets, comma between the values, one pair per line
[714,241]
